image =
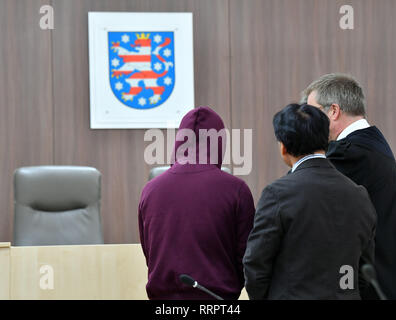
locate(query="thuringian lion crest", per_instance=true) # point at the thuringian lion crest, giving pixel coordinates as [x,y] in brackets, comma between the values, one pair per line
[141,67]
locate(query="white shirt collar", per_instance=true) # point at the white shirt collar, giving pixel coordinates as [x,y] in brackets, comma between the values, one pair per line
[310,156]
[357,125]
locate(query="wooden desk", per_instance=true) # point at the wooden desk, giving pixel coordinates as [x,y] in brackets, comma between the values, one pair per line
[73,272]
[78,272]
[5,270]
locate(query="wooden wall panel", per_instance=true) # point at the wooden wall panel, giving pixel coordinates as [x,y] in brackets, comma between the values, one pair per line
[26,136]
[251,59]
[279,46]
[118,154]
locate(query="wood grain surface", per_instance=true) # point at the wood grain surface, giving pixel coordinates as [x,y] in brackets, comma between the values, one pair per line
[251,58]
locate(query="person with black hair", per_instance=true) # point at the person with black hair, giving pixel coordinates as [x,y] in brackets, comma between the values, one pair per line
[309,239]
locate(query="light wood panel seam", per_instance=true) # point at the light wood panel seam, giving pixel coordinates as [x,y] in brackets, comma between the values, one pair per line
[9,273]
[52,86]
[230,77]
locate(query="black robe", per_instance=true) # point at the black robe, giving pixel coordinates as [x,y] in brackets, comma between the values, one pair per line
[366,158]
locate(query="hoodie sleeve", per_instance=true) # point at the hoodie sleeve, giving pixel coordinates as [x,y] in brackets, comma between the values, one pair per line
[141,227]
[244,225]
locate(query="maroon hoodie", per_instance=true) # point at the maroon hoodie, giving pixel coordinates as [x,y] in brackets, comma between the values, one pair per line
[195,219]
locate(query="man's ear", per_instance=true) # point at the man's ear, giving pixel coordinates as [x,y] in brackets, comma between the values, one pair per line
[334,112]
[285,156]
[282,149]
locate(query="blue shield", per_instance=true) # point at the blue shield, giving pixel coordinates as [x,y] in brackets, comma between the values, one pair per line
[141,67]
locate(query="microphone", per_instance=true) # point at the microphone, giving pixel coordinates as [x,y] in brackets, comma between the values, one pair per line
[186,279]
[370,275]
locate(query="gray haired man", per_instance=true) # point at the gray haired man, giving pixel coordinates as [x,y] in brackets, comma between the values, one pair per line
[361,152]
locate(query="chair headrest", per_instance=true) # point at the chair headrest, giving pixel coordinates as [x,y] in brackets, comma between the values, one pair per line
[56,188]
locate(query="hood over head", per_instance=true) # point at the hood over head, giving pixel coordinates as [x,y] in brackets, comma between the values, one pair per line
[201,138]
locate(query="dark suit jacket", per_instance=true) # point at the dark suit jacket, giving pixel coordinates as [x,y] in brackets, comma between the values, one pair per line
[308,225]
[366,158]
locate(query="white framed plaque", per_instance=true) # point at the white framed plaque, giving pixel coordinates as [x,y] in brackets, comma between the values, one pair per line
[141,69]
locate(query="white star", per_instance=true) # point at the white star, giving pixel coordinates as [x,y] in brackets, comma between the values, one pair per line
[167,52]
[125,38]
[119,85]
[142,101]
[157,38]
[168,81]
[157,66]
[115,62]
[155,98]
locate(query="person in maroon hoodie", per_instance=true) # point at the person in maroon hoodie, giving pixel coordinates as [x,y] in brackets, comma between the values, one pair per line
[195,218]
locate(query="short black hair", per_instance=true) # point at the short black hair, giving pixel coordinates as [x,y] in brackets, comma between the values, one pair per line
[303,129]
